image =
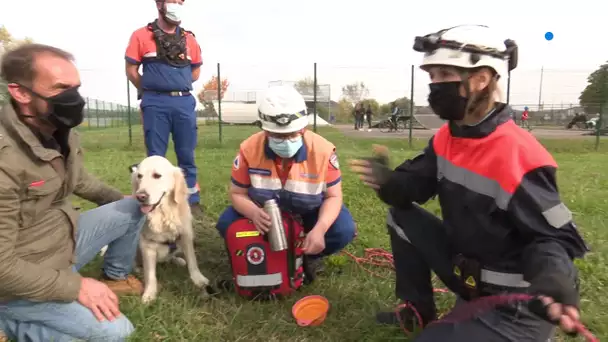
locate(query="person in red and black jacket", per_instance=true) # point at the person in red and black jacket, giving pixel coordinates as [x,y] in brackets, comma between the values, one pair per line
[524,118]
[504,228]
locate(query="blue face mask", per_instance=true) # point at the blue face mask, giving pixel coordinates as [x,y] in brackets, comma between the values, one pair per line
[285,148]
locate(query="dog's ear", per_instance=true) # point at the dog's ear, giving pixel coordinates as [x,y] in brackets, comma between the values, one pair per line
[133,168]
[180,188]
[134,183]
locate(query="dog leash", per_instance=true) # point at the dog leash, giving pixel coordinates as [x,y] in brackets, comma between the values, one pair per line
[473,308]
[470,310]
[383,259]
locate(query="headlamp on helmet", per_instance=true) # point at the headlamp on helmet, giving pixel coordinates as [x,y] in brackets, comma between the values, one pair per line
[282,109]
[430,43]
[281,120]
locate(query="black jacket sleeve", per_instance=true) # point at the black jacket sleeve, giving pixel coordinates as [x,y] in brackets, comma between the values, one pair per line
[545,223]
[413,181]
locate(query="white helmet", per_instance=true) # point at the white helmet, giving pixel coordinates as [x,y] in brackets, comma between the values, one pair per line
[282,110]
[468,46]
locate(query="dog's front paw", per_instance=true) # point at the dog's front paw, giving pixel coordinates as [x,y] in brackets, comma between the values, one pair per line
[199,279]
[149,296]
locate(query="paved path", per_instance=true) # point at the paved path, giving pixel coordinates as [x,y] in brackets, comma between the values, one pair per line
[427,133]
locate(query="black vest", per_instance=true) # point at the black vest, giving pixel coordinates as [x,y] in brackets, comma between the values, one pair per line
[170,48]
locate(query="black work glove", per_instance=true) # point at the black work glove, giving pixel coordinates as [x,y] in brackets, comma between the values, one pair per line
[379,163]
[560,288]
[373,171]
[557,286]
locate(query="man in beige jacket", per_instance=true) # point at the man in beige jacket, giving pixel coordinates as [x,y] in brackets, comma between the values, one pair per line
[43,240]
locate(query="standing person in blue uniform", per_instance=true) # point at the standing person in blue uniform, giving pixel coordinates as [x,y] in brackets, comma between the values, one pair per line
[504,227]
[171,60]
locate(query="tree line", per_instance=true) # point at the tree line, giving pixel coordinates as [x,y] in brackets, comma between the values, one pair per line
[342,110]
[7,42]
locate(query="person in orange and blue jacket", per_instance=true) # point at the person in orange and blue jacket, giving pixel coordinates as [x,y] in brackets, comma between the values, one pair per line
[171,60]
[296,167]
[504,228]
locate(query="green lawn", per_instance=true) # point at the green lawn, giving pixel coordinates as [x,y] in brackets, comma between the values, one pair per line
[180,315]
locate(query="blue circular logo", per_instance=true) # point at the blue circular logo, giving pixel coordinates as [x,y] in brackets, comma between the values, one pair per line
[549,35]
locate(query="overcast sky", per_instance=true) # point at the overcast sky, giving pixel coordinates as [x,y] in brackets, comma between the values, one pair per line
[264,40]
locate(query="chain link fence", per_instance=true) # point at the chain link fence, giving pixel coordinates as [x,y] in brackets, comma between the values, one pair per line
[551,98]
[99,114]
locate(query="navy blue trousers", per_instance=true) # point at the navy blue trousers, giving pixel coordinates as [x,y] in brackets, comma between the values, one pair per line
[165,115]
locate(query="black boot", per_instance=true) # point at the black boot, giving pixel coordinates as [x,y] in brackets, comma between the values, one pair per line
[406,316]
[225,285]
[197,210]
[312,268]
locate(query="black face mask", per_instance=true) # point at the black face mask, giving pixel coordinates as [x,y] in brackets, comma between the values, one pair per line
[446,101]
[65,110]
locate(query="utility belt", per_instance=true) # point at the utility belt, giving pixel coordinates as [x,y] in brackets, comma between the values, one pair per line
[169,93]
[476,281]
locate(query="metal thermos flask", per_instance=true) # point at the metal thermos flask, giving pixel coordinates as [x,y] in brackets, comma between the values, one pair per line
[276,234]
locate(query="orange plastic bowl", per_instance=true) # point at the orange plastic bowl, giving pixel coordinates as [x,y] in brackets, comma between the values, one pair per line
[310,310]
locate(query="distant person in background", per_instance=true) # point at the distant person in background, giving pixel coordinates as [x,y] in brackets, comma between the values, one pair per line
[355,117]
[361,115]
[369,113]
[524,119]
[171,60]
[358,113]
[394,113]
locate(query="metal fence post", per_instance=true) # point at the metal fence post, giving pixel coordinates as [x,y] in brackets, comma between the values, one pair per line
[97,111]
[600,123]
[508,86]
[410,138]
[88,113]
[112,113]
[129,112]
[329,104]
[314,98]
[219,101]
[603,94]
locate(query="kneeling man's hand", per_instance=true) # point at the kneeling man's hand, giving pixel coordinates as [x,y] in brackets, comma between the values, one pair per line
[98,297]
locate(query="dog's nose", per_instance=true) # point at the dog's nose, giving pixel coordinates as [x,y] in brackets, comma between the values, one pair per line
[141,196]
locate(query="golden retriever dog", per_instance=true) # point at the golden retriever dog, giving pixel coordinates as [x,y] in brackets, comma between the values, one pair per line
[162,193]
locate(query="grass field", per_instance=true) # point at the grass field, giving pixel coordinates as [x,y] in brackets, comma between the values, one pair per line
[355,295]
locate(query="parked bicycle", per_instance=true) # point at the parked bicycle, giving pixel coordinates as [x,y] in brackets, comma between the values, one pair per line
[399,124]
